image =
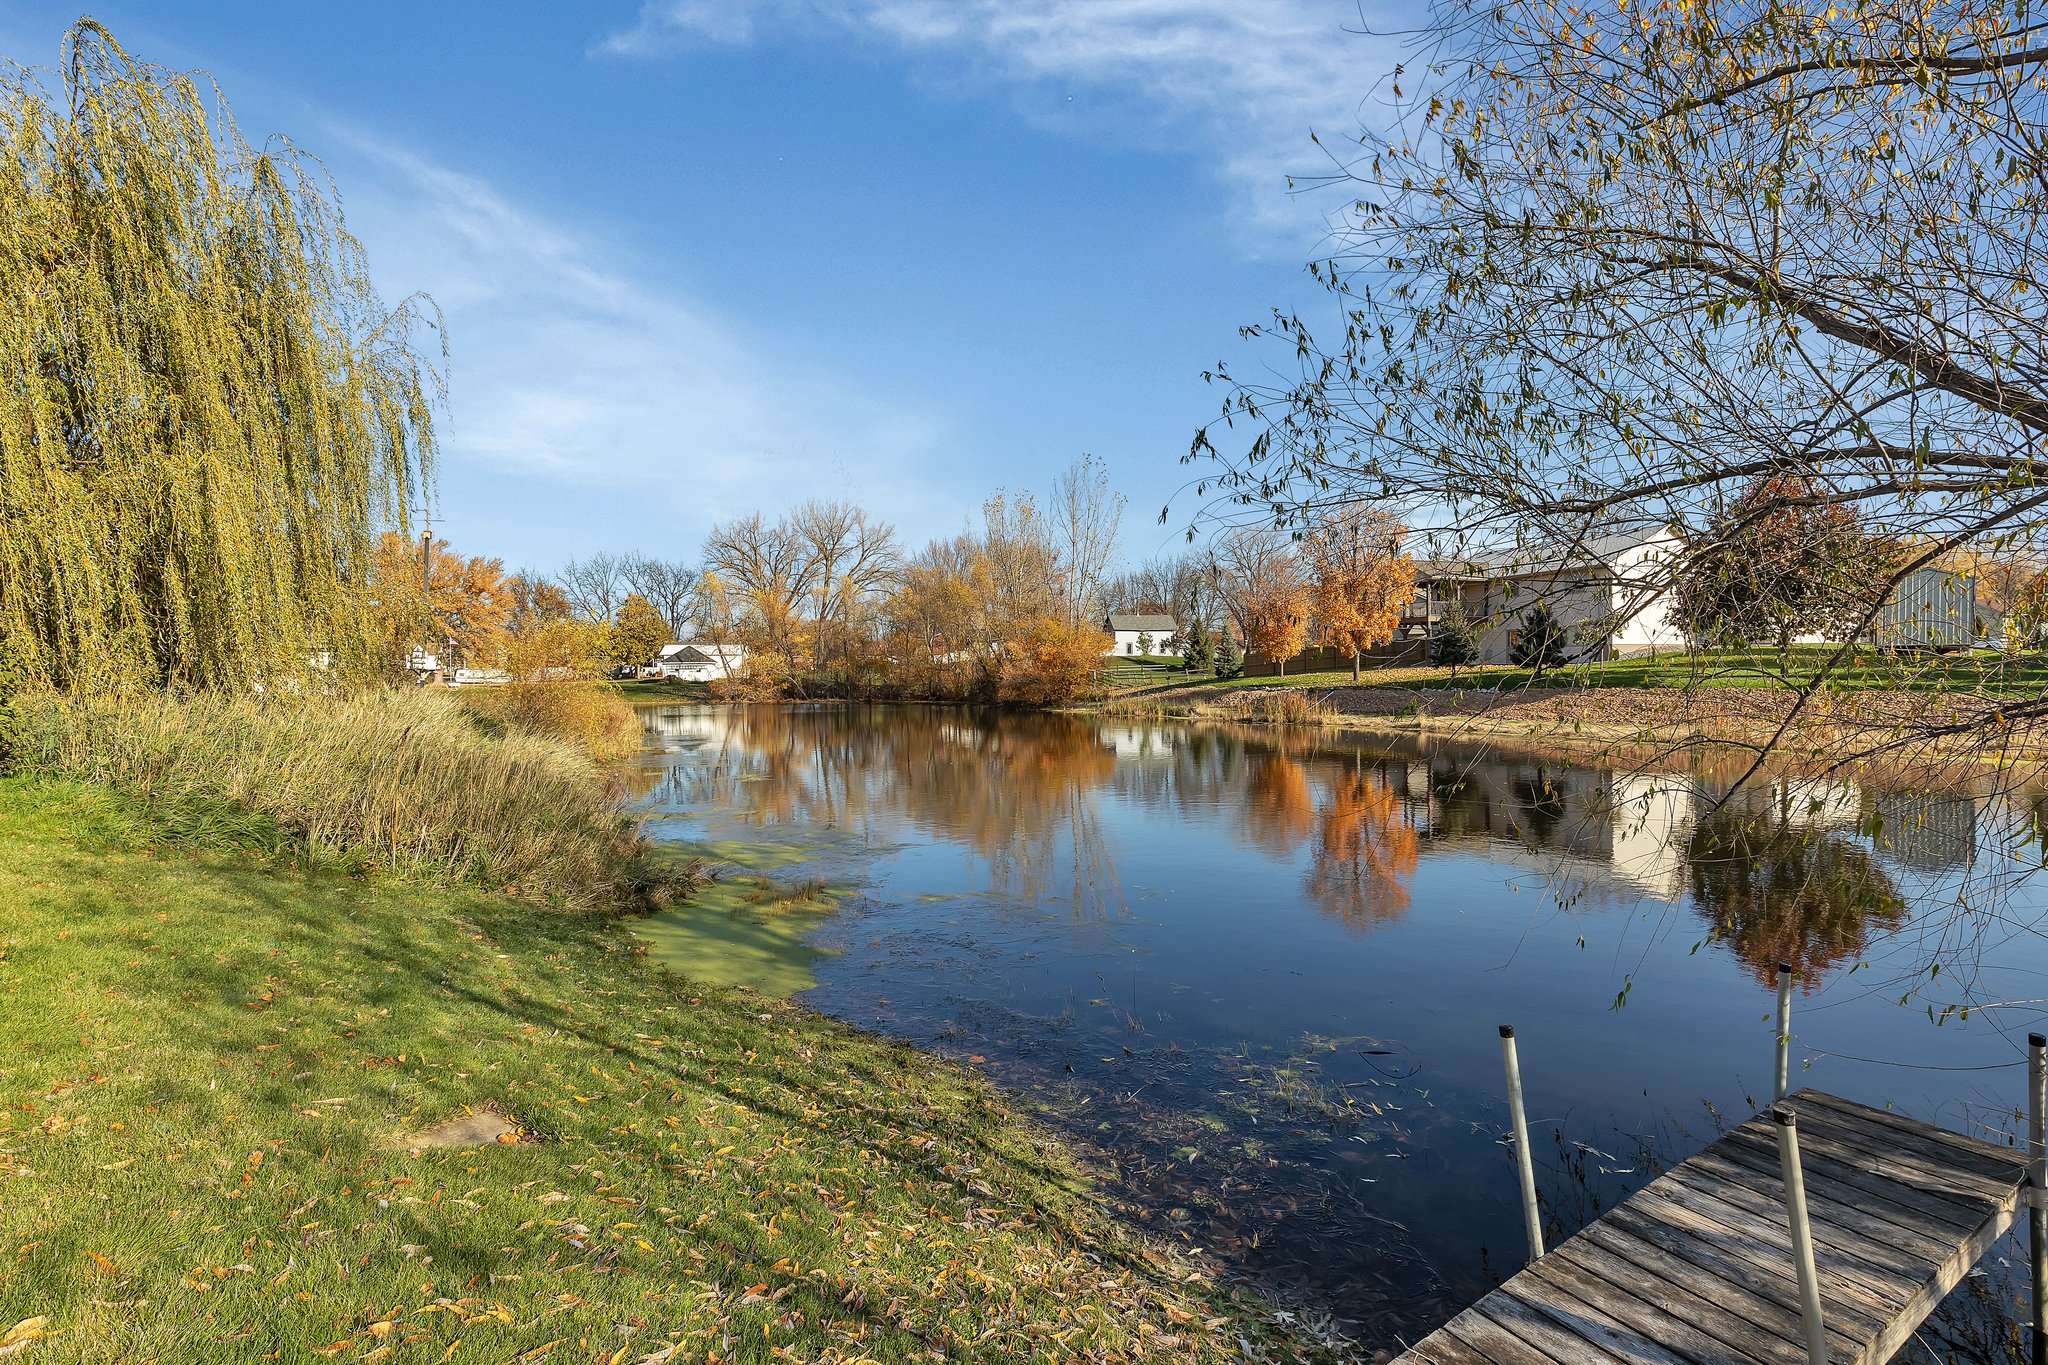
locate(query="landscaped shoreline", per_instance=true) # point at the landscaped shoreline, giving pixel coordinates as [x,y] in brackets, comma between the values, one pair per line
[213,1145]
[1927,709]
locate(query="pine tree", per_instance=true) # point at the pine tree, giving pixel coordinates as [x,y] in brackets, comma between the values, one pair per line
[1542,643]
[1198,656]
[1453,643]
[1229,657]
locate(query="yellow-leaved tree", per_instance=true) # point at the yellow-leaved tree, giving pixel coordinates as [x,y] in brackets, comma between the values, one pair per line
[1359,580]
[460,607]
[207,411]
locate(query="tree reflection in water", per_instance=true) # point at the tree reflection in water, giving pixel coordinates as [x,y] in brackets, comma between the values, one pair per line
[1778,886]
[1018,793]
[1279,806]
[1782,872]
[1366,850]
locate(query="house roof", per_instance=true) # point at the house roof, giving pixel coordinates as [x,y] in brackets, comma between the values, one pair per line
[706,653]
[1135,620]
[1592,550]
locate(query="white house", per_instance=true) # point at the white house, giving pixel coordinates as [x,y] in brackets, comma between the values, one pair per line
[1125,628]
[1611,593]
[699,661]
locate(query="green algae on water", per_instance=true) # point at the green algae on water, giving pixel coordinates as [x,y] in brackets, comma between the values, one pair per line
[747,928]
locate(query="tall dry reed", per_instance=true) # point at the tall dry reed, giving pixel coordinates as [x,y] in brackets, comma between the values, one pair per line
[404,781]
[1290,708]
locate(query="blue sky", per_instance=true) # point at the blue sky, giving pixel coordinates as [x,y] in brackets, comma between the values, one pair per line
[703,257]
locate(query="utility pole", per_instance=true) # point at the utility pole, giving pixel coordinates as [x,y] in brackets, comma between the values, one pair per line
[426,580]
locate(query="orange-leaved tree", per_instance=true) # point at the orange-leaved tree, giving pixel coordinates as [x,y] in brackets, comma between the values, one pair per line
[1051,663]
[1278,613]
[1358,578]
[425,596]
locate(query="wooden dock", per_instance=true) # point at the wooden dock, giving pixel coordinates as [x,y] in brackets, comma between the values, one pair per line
[1697,1268]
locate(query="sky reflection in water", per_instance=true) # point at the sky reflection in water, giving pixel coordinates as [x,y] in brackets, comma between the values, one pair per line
[1256,973]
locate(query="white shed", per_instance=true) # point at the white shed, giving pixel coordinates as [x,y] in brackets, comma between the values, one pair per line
[1140,633]
[699,661]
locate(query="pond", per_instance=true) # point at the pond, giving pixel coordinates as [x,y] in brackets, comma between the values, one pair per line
[1255,974]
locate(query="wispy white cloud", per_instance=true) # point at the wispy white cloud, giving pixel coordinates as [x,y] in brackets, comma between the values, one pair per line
[1247,79]
[572,371]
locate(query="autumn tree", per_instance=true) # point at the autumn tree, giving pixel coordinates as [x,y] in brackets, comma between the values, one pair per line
[1171,585]
[2026,615]
[637,632]
[1359,581]
[937,619]
[1023,558]
[713,613]
[456,606]
[1279,612]
[1599,268]
[595,585]
[765,568]
[534,601]
[208,413]
[848,556]
[1051,663]
[1241,562]
[1783,560]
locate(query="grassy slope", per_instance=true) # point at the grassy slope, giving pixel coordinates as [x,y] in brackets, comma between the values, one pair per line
[210,1062]
[663,689]
[1724,668]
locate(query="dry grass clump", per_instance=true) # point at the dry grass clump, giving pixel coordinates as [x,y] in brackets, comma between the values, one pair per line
[1290,708]
[404,781]
[592,717]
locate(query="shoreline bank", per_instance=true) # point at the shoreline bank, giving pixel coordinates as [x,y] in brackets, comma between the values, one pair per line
[1847,729]
[690,1169]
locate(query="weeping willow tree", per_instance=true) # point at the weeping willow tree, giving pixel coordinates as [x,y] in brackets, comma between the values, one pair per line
[205,410]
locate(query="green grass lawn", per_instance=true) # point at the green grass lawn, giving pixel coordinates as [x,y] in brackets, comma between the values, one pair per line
[663,689]
[1977,672]
[213,1063]
[1124,671]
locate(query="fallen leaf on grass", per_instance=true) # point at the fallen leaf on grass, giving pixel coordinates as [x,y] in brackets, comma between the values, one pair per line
[19,1336]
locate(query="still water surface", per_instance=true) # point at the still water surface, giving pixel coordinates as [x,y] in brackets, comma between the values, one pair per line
[1256,974]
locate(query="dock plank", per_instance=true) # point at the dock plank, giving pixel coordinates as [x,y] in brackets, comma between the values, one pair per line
[1696,1267]
[1850,1273]
[1864,1212]
[1938,1214]
[1993,1159]
[1875,1132]
[1763,1338]
[1934,1203]
[1926,1169]
[1686,1280]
